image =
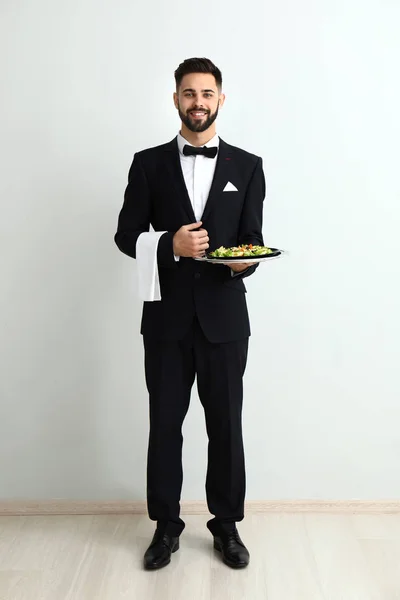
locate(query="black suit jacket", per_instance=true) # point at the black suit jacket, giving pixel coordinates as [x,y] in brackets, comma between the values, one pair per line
[156,194]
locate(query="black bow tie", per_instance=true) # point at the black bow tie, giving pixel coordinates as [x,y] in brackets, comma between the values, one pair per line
[193,151]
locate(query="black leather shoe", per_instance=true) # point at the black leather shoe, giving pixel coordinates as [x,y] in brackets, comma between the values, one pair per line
[158,554]
[234,552]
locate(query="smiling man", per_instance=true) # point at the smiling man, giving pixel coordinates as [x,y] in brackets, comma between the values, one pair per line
[198,193]
[202,116]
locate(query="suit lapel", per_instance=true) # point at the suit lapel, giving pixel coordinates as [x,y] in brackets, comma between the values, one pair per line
[221,176]
[175,171]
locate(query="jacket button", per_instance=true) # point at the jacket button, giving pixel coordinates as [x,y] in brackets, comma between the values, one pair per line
[197,275]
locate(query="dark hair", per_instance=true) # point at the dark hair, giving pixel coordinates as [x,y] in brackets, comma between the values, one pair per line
[197,65]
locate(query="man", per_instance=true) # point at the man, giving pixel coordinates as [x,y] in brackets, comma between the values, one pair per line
[198,193]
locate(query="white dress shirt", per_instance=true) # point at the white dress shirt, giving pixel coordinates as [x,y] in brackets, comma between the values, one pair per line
[198,172]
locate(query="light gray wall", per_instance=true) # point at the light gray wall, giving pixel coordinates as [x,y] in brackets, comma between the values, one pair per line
[313,88]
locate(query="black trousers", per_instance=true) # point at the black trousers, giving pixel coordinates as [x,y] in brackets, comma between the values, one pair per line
[170,369]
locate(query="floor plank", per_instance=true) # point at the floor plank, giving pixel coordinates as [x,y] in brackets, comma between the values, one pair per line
[293,557]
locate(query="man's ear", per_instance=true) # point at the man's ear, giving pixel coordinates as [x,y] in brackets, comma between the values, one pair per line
[221,100]
[175,96]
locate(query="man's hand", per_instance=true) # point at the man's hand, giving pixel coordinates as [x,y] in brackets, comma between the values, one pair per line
[238,268]
[189,243]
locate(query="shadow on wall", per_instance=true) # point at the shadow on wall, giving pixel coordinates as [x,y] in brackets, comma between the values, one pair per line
[76,418]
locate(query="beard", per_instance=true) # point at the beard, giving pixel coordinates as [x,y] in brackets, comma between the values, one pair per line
[198,125]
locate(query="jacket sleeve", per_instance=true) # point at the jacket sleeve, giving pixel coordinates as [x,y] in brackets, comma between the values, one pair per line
[251,220]
[134,217]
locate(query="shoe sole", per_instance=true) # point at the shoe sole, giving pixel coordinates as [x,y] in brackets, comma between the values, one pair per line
[155,567]
[224,560]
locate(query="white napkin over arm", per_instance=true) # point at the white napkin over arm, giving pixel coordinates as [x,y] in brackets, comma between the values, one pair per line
[147,266]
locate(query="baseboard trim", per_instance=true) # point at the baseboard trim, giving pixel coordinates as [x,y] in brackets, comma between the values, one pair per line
[82,507]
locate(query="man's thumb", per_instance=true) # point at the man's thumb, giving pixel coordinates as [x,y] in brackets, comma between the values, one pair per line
[194,226]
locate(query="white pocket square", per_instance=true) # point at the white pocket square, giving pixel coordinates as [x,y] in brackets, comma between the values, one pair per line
[230,187]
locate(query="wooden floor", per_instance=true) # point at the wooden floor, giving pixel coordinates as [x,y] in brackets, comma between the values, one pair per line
[293,557]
